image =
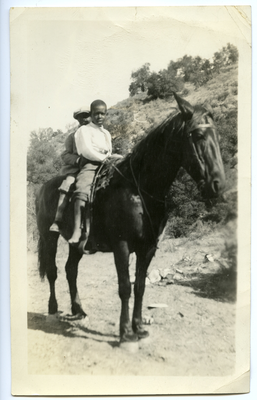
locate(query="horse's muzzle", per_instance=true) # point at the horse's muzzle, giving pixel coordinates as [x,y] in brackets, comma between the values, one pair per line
[213,188]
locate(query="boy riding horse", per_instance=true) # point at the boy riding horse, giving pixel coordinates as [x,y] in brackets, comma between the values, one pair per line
[85,150]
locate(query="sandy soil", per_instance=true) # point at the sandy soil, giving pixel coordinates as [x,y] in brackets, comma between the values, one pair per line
[193,335]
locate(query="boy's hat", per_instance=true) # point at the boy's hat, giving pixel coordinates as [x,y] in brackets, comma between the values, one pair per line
[81,112]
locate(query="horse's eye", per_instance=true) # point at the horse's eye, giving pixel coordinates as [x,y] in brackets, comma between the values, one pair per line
[198,135]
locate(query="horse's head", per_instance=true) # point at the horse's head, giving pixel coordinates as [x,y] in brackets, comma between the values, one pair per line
[201,151]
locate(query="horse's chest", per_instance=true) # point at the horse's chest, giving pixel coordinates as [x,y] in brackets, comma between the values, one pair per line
[135,200]
[135,204]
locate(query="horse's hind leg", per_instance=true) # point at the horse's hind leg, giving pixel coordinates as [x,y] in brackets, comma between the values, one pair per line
[47,254]
[71,268]
[121,256]
[143,260]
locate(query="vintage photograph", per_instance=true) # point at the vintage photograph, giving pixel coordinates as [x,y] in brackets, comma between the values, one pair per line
[130,179]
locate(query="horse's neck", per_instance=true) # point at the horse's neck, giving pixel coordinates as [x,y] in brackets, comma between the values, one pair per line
[156,169]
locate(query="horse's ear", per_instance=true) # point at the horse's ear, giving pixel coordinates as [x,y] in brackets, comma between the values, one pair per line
[185,107]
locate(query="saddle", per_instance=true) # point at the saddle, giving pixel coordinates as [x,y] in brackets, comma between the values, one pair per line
[104,174]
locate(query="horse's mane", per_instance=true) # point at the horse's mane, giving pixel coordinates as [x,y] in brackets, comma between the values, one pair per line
[155,134]
[161,135]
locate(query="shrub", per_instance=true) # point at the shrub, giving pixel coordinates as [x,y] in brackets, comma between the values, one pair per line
[234,91]
[185,92]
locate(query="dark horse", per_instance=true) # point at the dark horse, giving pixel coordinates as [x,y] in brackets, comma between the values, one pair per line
[130,213]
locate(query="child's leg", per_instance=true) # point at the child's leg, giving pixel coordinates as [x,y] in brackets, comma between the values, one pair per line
[83,186]
[79,205]
[62,203]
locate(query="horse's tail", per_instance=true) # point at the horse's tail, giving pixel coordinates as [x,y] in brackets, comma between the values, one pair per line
[47,243]
[42,262]
[41,247]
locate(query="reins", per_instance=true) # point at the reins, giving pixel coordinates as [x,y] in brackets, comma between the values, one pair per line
[140,194]
[137,186]
[142,199]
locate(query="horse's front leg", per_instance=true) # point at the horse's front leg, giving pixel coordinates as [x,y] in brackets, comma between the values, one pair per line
[143,260]
[71,268]
[121,257]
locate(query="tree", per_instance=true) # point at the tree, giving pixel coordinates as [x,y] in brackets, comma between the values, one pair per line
[162,84]
[230,54]
[185,65]
[42,161]
[139,78]
[217,61]
[207,69]
[133,89]
[154,86]
[173,68]
[226,56]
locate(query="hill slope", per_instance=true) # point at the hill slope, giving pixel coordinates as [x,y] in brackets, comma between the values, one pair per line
[130,119]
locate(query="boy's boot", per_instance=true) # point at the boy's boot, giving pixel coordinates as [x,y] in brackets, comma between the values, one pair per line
[62,203]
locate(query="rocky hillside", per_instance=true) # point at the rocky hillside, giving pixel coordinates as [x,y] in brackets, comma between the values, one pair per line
[129,120]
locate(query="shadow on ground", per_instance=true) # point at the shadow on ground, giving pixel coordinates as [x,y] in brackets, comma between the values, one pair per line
[53,324]
[221,286]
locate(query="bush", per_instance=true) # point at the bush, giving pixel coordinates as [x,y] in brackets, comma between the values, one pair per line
[234,91]
[32,231]
[222,96]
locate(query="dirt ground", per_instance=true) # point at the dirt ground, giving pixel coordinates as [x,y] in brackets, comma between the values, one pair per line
[193,335]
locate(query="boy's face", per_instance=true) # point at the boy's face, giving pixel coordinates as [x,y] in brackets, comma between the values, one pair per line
[83,120]
[98,115]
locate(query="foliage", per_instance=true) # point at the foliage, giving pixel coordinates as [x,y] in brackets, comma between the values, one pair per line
[42,161]
[162,85]
[186,69]
[31,217]
[210,83]
[228,55]
[139,79]
[185,205]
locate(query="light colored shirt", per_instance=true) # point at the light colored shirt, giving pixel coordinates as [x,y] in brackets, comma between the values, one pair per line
[93,142]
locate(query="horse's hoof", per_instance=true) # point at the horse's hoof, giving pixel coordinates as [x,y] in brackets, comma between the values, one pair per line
[52,307]
[142,334]
[129,342]
[76,317]
[78,312]
[131,347]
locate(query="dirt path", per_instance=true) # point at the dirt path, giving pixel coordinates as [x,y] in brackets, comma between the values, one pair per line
[193,335]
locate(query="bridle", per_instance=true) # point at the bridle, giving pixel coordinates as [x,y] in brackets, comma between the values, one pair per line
[188,130]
